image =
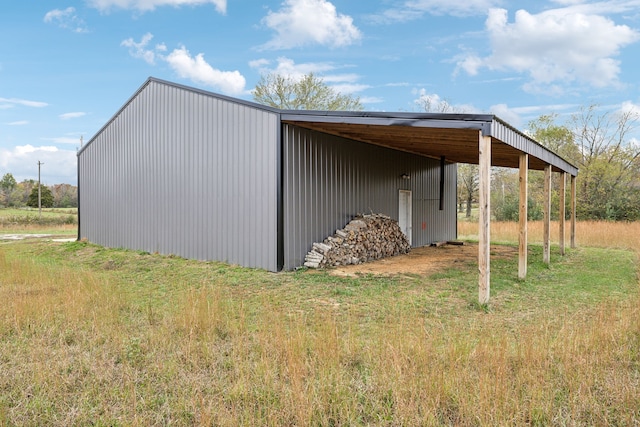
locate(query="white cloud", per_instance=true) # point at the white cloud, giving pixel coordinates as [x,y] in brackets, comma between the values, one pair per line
[259,63]
[599,7]
[199,71]
[630,107]
[471,64]
[22,150]
[555,48]
[455,8]
[304,22]
[416,9]
[66,19]
[139,49]
[10,102]
[433,103]
[402,14]
[509,115]
[371,100]
[18,123]
[180,60]
[287,67]
[345,83]
[63,140]
[74,115]
[341,83]
[515,116]
[150,5]
[567,2]
[58,166]
[348,88]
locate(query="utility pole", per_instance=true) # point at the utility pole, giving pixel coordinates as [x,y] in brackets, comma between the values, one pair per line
[39,192]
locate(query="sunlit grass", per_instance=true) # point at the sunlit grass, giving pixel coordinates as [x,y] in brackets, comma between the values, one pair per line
[603,234]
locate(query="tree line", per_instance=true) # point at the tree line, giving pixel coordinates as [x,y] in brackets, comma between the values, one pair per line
[600,143]
[25,193]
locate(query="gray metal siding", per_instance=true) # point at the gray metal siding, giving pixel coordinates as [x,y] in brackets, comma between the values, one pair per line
[182,172]
[327,180]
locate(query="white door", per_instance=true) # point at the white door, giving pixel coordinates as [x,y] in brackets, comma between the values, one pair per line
[404,213]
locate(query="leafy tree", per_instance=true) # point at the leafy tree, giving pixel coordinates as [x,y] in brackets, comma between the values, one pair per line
[64,196]
[557,138]
[46,198]
[467,186]
[609,182]
[8,182]
[508,209]
[599,144]
[7,185]
[308,93]
[20,195]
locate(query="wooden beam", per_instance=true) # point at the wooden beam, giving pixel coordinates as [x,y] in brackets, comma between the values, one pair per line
[442,179]
[562,212]
[523,213]
[484,218]
[573,212]
[546,219]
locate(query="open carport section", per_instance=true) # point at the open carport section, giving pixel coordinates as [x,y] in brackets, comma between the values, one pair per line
[484,140]
[257,186]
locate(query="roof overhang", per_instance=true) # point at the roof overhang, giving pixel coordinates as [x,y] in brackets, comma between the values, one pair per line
[452,136]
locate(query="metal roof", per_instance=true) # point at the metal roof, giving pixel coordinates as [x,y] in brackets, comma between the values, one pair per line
[454,136]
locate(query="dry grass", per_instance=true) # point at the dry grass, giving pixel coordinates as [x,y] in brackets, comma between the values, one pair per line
[56,221]
[603,234]
[93,336]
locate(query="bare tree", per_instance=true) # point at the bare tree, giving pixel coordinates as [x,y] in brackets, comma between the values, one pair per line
[608,162]
[308,93]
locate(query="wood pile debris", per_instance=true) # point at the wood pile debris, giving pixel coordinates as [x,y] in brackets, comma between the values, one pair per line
[365,238]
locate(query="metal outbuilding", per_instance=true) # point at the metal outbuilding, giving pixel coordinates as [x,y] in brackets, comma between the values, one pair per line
[183,171]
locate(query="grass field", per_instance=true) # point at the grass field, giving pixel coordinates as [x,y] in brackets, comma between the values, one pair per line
[603,234]
[91,336]
[56,221]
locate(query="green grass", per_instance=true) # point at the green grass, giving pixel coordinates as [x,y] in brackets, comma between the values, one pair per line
[59,221]
[114,337]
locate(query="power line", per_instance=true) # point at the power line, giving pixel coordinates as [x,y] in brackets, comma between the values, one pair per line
[39,192]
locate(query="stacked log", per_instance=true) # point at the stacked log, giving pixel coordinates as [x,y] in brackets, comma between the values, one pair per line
[365,238]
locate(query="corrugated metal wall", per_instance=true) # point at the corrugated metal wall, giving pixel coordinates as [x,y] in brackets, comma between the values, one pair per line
[181,172]
[327,180]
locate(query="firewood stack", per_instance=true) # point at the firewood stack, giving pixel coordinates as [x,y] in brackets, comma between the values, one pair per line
[365,238]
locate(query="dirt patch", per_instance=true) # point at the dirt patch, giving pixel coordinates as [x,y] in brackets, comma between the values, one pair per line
[55,238]
[425,260]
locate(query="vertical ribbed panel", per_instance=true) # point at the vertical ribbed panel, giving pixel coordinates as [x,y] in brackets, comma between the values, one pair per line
[327,180]
[181,172]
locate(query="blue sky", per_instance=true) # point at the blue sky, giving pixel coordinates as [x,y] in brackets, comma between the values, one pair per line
[67,66]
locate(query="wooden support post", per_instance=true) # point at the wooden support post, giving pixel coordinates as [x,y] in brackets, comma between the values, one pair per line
[442,179]
[562,211]
[546,219]
[523,213]
[573,212]
[484,218]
